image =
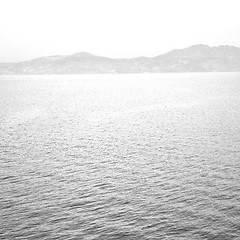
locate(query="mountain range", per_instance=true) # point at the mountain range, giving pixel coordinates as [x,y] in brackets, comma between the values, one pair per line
[196,58]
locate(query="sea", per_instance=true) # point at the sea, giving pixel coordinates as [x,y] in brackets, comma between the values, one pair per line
[120,156]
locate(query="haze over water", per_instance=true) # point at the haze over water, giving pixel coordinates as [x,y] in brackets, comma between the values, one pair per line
[150,156]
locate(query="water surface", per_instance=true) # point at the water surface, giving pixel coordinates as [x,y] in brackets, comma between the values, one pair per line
[151,156]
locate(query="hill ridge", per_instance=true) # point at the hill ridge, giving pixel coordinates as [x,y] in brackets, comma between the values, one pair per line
[195,58]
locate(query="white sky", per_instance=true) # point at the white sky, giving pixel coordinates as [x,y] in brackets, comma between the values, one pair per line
[114,28]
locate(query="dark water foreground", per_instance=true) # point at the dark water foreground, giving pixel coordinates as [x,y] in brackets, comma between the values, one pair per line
[120,157]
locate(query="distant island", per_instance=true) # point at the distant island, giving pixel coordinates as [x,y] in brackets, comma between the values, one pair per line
[197,58]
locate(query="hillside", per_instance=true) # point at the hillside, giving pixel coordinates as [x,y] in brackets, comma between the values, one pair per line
[197,58]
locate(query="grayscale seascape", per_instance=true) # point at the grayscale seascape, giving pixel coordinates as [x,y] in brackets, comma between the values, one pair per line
[131,156]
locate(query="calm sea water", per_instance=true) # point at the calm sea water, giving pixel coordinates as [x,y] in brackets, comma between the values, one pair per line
[120,156]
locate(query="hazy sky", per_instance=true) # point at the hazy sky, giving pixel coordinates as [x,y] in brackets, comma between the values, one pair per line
[114,28]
